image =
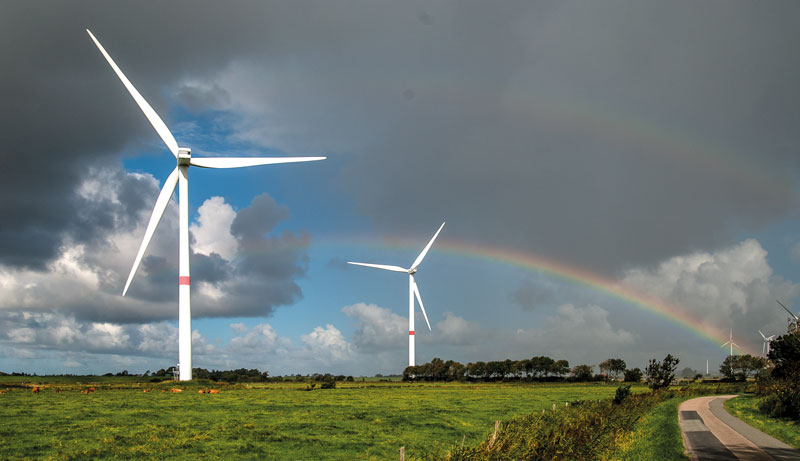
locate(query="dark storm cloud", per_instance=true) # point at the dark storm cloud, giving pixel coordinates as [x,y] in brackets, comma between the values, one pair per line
[64,109]
[609,135]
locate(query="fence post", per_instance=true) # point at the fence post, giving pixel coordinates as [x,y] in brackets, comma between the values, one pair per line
[494,436]
[402,453]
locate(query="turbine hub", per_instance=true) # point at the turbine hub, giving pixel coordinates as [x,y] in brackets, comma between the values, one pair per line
[412,271]
[184,156]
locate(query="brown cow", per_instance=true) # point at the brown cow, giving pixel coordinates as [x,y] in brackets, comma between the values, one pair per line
[36,390]
[213,391]
[58,391]
[201,391]
[91,389]
[146,390]
[175,391]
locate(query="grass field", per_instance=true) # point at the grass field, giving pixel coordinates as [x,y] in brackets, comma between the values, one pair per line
[359,420]
[745,407]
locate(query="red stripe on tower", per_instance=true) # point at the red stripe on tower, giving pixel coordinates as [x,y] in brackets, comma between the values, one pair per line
[411,333]
[183,280]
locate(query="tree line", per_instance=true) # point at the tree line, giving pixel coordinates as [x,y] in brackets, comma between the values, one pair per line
[539,368]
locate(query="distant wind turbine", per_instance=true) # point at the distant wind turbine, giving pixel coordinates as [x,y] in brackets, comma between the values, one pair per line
[730,341]
[412,292]
[767,340]
[179,177]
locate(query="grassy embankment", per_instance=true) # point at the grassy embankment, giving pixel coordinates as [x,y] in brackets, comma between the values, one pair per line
[656,436]
[357,420]
[745,407]
[642,427]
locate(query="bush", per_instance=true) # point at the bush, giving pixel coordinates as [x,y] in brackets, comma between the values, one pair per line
[623,392]
[783,398]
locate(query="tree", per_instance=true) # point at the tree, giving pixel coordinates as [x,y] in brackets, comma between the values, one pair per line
[541,365]
[612,367]
[582,373]
[559,367]
[660,375]
[784,352]
[740,367]
[687,373]
[633,376]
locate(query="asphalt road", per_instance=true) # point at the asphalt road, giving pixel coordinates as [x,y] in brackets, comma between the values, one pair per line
[711,433]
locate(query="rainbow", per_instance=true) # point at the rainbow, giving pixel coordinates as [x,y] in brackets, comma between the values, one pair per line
[680,316]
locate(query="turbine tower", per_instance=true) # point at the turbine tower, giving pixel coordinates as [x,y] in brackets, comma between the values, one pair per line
[412,292]
[767,340]
[730,341]
[179,177]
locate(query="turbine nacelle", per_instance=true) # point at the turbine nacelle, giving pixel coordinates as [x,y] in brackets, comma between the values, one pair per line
[184,156]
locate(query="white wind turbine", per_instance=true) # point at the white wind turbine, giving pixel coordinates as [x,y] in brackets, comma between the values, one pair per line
[767,340]
[179,177]
[730,341]
[412,292]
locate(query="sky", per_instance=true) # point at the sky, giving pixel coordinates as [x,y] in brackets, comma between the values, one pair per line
[618,179]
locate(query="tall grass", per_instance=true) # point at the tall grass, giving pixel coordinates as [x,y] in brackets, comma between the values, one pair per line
[592,430]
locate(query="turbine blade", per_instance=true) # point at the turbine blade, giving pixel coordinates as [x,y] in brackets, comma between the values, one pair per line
[381,266]
[787,310]
[239,162]
[762,334]
[151,114]
[158,211]
[419,299]
[726,343]
[427,247]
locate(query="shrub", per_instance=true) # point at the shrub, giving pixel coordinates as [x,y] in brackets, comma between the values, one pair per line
[623,392]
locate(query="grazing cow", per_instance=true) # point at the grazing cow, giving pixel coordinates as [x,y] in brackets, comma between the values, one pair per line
[3,391]
[213,391]
[91,389]
[36,390]
[163,390]
[84,391]
[146,390]
[175,391]
[58,391]
[201,391]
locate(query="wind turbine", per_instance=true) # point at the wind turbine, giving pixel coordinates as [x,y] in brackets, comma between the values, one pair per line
[787,310]
[767,340]
[730,341]
[179,177]
[412,292]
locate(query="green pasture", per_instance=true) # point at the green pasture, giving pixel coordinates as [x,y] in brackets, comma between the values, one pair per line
[357,420]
